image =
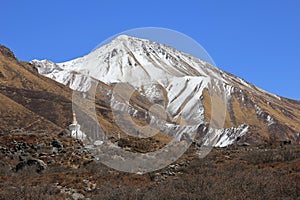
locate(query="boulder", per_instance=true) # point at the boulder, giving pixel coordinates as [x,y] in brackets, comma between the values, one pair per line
[29,161]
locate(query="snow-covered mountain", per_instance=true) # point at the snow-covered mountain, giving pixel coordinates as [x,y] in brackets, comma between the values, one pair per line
[184,86]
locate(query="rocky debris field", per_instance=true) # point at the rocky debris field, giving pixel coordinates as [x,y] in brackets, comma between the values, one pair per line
[43,166]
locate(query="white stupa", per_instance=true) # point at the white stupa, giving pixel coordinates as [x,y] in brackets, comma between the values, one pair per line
[75,129]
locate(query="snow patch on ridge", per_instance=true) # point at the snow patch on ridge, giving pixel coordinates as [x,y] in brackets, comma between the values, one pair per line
[226,136]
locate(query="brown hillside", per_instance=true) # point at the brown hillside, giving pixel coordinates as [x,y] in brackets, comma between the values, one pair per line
[29,100]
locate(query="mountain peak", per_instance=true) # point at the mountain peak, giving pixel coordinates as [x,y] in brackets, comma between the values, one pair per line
[181,81]
[127,43]
[123,40]
[124,37]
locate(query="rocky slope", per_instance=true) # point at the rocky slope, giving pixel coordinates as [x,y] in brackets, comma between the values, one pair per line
[41,166]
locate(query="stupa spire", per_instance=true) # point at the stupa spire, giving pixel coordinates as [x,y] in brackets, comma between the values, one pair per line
[74,118]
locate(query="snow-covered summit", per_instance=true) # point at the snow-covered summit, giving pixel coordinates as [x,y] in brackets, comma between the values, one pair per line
[129,59]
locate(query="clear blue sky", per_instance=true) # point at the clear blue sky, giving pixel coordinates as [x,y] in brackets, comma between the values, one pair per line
[255,40]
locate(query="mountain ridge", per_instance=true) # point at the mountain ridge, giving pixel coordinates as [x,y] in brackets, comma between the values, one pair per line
[185,79]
